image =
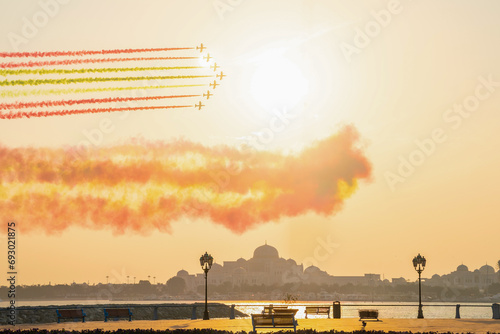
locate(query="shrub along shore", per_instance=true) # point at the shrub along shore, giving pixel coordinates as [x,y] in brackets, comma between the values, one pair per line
[194,331]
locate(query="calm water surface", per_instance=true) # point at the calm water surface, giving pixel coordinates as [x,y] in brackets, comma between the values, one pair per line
[348,309]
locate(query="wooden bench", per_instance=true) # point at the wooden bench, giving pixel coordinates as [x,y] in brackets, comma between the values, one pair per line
[318,310]
[368,315]
[274,321]
[117,313]
[291,311]
[70,314]
[274,309]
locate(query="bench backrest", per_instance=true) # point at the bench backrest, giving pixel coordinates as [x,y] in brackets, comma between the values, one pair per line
[270,309]
[277,319]
[318,309]
[118,312]
[292,311]
[284,319]
[368,313]
[262,319]
[70,313]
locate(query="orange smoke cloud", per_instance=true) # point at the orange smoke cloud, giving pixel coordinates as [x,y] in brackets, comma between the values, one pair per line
[145,186]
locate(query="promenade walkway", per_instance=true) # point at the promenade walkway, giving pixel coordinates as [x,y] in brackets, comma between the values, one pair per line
[414,325]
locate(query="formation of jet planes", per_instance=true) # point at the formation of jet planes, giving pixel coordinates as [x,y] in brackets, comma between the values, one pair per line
[221,75]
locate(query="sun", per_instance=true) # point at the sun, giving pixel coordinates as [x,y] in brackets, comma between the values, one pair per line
[277,83]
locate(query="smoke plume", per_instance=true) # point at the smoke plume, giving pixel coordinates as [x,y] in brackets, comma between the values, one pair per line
[144,186]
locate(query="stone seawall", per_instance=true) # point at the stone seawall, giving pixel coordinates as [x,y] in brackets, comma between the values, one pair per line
[47,314]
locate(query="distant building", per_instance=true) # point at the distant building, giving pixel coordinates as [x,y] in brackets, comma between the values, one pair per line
[400,280]
[266,267]
[462,277]
[367,279]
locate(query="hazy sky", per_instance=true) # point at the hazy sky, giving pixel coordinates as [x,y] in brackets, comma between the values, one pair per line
[420,81]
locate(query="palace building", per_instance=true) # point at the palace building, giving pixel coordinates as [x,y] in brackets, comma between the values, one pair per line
[464,278]
[266,267]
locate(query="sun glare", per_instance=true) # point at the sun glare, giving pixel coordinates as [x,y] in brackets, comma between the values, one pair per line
[277,83]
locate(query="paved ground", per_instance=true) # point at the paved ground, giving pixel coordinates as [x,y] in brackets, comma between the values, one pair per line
[414,325]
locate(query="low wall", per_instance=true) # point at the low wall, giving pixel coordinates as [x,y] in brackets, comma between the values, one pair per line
[47,314]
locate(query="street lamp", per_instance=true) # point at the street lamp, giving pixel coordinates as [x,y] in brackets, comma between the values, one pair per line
[206,261]
[419,264]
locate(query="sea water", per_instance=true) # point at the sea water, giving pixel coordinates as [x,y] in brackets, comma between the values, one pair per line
[387,310]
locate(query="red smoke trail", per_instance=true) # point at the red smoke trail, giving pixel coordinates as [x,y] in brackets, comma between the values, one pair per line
[30,114]
[85,61]
[57,91]
[82,53]
[147,186]
[19,105]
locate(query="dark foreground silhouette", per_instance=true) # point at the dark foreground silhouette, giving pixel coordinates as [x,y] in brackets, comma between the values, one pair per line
[197,331]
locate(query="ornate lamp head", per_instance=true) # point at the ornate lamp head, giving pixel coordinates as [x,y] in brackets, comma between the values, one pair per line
[419,262]
[206,261]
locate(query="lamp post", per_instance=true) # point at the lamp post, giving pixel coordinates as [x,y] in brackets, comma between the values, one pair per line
[206,261]
[419,265]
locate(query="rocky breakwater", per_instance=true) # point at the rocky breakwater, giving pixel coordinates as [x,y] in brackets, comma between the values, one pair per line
[47,314]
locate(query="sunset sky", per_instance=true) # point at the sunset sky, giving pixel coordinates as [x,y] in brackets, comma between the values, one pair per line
[402,95]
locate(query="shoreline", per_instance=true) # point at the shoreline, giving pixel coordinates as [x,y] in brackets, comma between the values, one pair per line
[228,302]
[198,300]
[319,325]
[148,310]
[37,315]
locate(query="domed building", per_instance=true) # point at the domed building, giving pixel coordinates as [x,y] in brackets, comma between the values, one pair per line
[463,277]
[265,252]
[182,273]
[487,270]
[266,267]
[315,275]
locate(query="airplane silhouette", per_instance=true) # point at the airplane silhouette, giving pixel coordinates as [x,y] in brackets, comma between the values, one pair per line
[221,75]
[214,84]
[214,66]
[201,47]
[207,57]
[199,105]
[207,94]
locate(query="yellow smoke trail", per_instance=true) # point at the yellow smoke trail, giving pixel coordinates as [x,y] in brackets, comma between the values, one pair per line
[142,186]
[43,71]
[80,80]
